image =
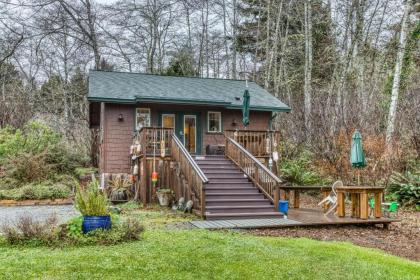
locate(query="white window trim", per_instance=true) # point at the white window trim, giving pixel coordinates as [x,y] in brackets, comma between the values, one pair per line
[150,116]
[208,122]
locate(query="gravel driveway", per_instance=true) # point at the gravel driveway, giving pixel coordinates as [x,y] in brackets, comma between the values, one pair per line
[12,213]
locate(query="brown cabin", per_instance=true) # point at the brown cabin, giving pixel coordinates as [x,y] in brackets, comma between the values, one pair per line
[190,131]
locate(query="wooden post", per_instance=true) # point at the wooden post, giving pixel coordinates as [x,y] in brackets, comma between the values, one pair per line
[296,199]
[143,179]
[364,207]
[276,197]
[286,194]
[341,209]
[378,202]
[256,173]
[203,202]
[354,205]
[325,205]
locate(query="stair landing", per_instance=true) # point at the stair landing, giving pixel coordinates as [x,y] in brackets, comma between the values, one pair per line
[230,195]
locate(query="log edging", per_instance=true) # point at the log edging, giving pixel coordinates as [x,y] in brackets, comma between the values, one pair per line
[35,202]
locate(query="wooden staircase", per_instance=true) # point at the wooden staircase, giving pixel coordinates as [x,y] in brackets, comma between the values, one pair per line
[229,194]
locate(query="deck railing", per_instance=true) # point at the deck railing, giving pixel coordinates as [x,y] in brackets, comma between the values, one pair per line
[155,140]
[194,175]
[259,143]
[266,180]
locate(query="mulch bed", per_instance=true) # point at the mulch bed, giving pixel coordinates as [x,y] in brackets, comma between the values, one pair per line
[401,239]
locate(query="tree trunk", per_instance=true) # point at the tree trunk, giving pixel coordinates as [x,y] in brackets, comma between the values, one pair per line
[308,65]
[397,76]
[235,23]
[225,39]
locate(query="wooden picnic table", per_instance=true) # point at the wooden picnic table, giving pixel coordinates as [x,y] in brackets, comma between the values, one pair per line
[359,200]
[298,189]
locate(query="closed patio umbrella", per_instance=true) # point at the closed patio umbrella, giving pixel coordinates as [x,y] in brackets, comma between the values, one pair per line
[245,108]
[357,156]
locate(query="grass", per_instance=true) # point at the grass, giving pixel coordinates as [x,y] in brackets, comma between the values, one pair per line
[200,254]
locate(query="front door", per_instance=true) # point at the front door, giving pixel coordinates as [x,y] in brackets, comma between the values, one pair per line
[190,133]
[187,128]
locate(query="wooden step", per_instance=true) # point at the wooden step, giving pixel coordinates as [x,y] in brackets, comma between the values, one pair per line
[215,163]
[240,209]
[210,156]
[233,195]
[227,181]
[226,176]
[236,190]
[230,185]
[237,202]
[243,215]
[222,171]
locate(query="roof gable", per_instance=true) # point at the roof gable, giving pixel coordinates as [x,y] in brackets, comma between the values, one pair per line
[124,87]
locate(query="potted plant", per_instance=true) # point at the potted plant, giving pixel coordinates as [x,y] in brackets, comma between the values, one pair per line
[164,196]
[120,189]
[92,204]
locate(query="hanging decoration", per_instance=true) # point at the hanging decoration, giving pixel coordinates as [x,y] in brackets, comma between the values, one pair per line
[154,178]
[162,145]
[136,169]
[154,173]
[267,145]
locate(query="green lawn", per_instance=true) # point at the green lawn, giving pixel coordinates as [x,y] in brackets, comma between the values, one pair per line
[198,254]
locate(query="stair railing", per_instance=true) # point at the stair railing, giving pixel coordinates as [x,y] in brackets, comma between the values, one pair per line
[262,177]
[195,176]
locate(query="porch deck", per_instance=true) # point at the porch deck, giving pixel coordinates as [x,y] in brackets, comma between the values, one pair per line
[296,217]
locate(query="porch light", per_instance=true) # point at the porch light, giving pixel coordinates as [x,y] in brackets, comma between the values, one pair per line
[120,117]
[234,123]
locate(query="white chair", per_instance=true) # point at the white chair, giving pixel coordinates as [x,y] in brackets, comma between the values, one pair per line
[331,199]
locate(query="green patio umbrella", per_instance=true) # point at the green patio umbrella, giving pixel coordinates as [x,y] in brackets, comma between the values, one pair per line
[357,156]
[245,108]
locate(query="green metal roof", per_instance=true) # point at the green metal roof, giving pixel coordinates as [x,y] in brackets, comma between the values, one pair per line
[131,88]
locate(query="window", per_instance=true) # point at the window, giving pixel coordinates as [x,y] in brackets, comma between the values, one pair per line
[214,122]
[142,118]
[168,121]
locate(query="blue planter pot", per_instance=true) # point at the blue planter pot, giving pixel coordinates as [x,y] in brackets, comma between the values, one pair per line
[283,206]
[96,222]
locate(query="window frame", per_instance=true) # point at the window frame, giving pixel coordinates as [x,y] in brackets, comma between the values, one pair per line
[220,122]
[136,115]
[169,114]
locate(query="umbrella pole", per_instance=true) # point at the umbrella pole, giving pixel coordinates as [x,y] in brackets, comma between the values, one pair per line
[358,176]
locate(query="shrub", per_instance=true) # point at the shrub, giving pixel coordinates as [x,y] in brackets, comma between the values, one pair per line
[90,201]
[125,231]
[405,187]
[83,171]
[33,233]
[29,231]
[120,188]
[39,149]
[34,138]
[27,167]
[45,190]
[298,171]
